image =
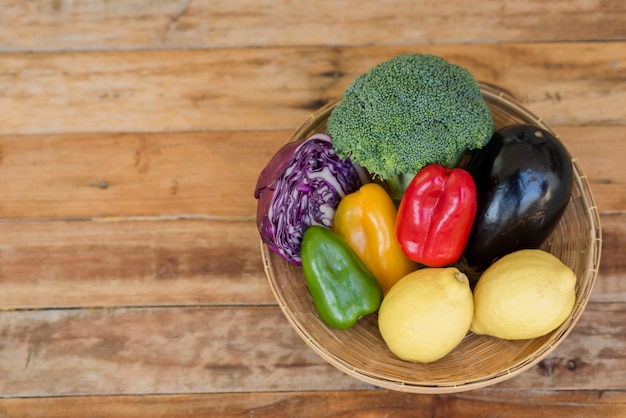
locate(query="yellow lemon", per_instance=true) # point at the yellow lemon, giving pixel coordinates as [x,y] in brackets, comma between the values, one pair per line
[525,294]
[426,314]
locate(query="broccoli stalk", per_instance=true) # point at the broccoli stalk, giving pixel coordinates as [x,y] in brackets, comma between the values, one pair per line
[396,185]
[408,112]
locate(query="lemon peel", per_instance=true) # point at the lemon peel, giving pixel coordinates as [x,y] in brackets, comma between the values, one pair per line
[523,295]
[426,314]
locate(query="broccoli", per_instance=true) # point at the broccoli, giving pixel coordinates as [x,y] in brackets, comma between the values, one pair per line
[408,112]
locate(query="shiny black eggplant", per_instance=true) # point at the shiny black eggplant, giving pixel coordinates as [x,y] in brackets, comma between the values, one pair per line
[524,179]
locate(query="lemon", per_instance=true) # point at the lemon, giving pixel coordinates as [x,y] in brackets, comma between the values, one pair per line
[525,294]
[426,314]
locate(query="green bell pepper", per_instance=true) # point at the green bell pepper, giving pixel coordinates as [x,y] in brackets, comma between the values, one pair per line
[342,287]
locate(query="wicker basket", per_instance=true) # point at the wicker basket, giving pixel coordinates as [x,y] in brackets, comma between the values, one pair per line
[478,361]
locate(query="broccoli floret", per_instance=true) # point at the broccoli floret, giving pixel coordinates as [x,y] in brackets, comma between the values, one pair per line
[408,112]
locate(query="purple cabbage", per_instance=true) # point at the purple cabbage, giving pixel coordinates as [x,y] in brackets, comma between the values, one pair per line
[302,186]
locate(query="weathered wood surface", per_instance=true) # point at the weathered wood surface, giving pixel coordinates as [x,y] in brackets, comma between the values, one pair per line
[180,24]
[226,349]
[207,174]
[139,228]
[131,136]
[369,403]
[172,263]
[278,88]
[149,262]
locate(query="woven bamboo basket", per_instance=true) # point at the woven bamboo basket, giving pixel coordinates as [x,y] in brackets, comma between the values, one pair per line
[478,361]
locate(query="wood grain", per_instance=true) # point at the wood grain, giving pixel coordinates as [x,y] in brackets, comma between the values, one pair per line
[131,263]
[131,137]
[175,263]
[368,403]
[172,263]
[141,24]
[237,349]
[278,88]
[157,350]
[203,174]
[202,235]
[610,281]
[87,176]
[599,151]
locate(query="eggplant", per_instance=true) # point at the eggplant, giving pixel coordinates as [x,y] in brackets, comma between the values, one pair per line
[524,179]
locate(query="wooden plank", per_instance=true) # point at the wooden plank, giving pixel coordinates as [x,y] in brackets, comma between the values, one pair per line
[371,403]
[594,346]
[134,263]
[100,264]
[236,350]
[171,263]
[100,24]
[610,284]
[599,151]
[569,83]
[87,176]
[156,350]
[208,174]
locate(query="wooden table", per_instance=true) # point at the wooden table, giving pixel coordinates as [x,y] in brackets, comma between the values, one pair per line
[131,137]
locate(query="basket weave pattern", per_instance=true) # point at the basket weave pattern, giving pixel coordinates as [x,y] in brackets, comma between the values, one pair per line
[478,361]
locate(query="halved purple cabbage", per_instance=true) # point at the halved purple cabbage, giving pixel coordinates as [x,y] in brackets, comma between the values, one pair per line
[302,186]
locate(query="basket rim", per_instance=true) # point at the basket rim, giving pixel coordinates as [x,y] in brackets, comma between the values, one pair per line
[500,96]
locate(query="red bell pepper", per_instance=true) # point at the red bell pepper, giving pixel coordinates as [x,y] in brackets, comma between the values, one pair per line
[435,215]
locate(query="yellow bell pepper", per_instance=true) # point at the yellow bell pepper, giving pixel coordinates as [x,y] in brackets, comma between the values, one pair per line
[366,220]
